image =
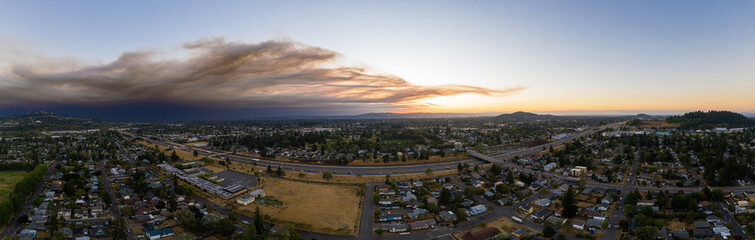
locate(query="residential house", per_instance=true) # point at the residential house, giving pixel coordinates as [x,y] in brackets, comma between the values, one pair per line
[526,209]
[422,224]
[157,234]
[540,215]
[484,234]
[393,227]
[447,216]
[578,224]
[607,200]
[477,210]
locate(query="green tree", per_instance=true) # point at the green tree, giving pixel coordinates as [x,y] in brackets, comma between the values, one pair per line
[645,233]
[496,169]
[549,231]
[233,216]
[568,202]
[185,236]
[432,207]
[461,214]
[327,176]
[561,236]
[172,204]
[174,157]
[224,227]
[258,225]
[445,196]
[377,213]
[186,217]
[209,221]
[119,230]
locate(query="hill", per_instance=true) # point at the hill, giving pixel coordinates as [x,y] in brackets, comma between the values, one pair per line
[524,116]
[711,119]
[23,124]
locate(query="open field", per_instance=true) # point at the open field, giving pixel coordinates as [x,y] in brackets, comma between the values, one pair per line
[326,208]
[8,179]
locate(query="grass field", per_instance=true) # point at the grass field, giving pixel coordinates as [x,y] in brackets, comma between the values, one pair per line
[8,179]
[325,208]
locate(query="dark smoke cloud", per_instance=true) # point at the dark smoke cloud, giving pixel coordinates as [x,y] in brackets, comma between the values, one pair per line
[222,74]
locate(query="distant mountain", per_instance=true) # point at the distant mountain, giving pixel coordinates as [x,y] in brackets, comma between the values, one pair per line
[644,116]
[711,119]
[411,115]
[525,116]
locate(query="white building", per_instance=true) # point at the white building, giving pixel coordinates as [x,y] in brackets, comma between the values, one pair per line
[548,167]
[258,193]
[245,200]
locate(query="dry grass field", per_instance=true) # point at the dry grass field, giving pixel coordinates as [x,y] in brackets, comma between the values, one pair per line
[555,149]
[8,179]
[316,177]
[647,124]
[433,159]
[186,156]
[325,208]
[504,224]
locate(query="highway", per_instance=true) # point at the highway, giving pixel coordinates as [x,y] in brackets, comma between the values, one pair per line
[366,170]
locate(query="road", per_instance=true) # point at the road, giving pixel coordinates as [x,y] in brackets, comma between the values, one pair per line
[617,214]
[736,228]
[114,203]
[12,227]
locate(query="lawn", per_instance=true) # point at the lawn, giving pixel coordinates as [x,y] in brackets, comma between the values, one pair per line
[325,208]
[8,179]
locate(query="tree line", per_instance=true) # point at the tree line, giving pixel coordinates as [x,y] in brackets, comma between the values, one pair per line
[22,190]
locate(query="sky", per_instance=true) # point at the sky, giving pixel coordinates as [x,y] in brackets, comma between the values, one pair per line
[239,59]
